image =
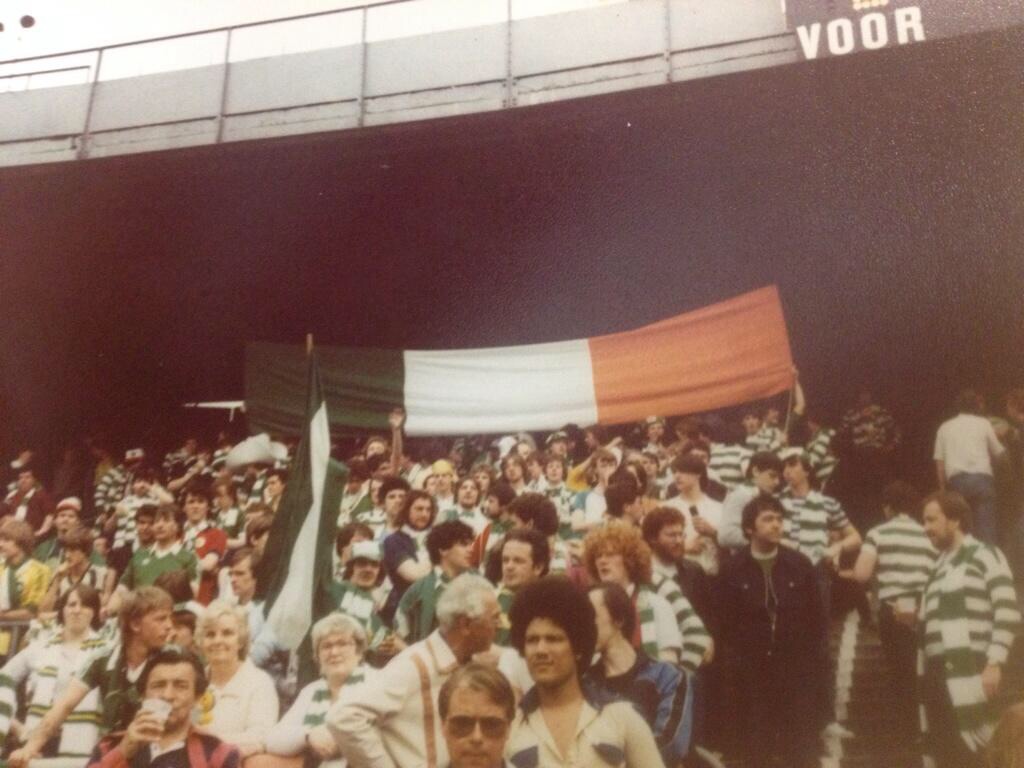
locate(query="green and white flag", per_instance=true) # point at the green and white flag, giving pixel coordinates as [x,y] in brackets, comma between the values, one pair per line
[294,574]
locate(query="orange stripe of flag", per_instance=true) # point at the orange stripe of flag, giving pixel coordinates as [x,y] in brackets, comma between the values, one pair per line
[726,354]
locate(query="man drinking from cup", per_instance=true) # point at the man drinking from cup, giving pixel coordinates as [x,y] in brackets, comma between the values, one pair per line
[160,735]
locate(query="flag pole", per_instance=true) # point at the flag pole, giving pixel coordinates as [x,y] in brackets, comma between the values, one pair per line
[309,344]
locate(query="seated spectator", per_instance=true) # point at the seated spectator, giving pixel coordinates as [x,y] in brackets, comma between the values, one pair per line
[242,587]
[174,679]
[660,692]
[339,643]
[245,704]
[29,502]
[448,545]
[477,707]
[229,517]
[207,542]
[564,720]
[145,622]
[65,519]
[76,567]
[168,553]
[24,580]
[392,722]
[45,667]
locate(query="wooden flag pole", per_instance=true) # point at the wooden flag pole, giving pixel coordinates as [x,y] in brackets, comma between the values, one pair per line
[309,343]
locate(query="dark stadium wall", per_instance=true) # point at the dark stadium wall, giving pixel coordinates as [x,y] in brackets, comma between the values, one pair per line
[881,192]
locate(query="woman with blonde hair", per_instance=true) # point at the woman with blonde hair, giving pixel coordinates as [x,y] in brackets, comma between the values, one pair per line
[244,701]
[301,738]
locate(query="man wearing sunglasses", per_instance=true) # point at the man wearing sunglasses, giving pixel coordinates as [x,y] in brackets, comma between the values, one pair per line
[477,707]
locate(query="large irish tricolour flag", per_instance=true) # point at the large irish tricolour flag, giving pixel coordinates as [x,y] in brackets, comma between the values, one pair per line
[721,355]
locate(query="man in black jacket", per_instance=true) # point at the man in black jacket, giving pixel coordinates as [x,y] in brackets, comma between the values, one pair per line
[771,623]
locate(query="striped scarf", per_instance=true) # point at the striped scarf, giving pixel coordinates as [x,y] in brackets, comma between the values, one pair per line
[360,605]
[49,669]
[645,633]
[963,665]
[320,704]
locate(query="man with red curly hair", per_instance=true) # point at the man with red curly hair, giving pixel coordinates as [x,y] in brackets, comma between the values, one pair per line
[617,553]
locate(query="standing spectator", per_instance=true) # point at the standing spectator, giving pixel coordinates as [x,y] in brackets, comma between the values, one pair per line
[29,502]
[242,580]
[899,557]
[970,618]
[392,720]
[173,676]
[524,559]
[467,506]
[23,581]
[589,506]
[703,515]
[759,435]
[477,707]
[764,473]
[406,558]
[513,472]
[273,487]
[356,498]
[617,554]
[564,720]
[965,447]
[660,692]
[772,623]
[145,623]
[245,704]
[815,525]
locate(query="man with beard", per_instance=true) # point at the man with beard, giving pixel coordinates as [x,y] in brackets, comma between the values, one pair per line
[970,618]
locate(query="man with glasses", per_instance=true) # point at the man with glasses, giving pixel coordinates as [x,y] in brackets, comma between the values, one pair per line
[477,707]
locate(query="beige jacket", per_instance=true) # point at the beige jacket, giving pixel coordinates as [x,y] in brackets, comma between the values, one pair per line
[392,720]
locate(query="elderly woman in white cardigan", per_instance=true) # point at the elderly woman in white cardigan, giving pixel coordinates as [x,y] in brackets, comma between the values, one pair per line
[301,738]
[245,704]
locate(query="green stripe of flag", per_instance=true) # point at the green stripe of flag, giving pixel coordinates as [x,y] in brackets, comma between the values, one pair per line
[361,386]
[296,567]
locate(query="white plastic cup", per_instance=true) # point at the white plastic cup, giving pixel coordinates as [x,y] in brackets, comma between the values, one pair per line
[159,707]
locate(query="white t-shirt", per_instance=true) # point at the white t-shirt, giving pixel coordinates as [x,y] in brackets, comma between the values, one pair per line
[967,444]
[711,511]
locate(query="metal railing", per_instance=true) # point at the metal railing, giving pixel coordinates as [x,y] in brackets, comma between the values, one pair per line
[656,13]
